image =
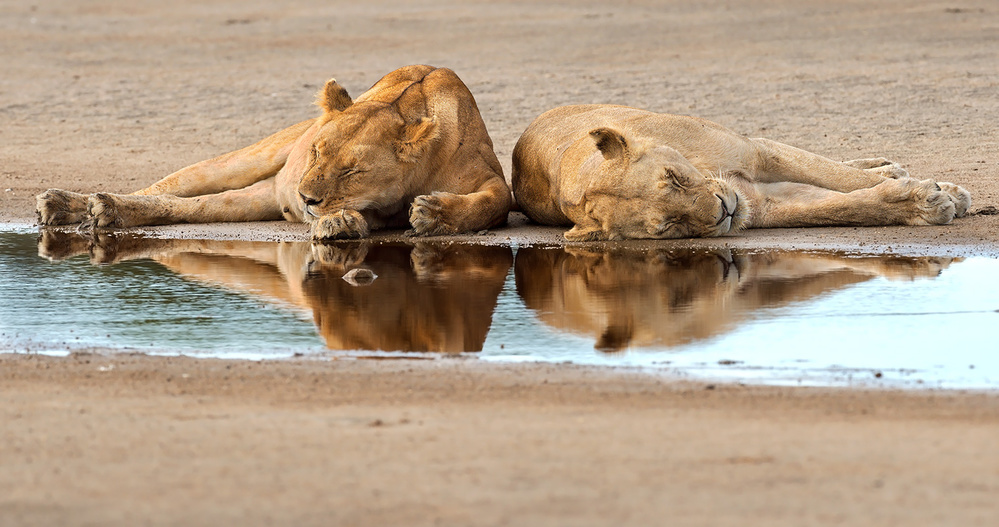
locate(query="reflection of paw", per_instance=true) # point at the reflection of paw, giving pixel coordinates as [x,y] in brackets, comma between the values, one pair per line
[57,245]
[929,204]
[341,255]
[427,260]
[960,197]
[60,207]
[342,225]
[428,214]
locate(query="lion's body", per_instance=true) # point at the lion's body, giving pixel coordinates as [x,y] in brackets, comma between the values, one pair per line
[614,172]
[412,149]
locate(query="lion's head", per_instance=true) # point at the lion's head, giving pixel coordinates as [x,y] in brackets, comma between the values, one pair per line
[361,155]
[651,191]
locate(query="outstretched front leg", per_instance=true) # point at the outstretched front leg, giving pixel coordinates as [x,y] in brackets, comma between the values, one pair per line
[442,213]
[258,202]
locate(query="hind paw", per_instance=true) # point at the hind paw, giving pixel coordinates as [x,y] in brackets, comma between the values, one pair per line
[881,166]
[958,195]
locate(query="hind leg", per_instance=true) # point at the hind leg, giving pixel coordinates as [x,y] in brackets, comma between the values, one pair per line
[783,163]
[234,170]
[880,166]
[231,171]
[893,202]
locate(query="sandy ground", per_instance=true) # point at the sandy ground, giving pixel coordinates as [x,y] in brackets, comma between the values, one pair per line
[111,95]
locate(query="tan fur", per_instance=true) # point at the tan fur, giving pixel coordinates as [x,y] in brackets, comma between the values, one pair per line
[412,150]
[654,296]
[613,172]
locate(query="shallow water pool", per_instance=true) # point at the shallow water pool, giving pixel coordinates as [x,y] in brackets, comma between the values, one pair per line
[749,316]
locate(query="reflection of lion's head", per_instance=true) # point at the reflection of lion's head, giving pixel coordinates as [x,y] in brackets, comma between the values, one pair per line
[642,296]
[428,297]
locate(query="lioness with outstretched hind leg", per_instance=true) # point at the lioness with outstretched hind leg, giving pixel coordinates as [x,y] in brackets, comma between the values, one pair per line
[613,172]
[411,151]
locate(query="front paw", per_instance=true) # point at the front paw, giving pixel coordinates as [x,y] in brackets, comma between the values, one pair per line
[60,207]
[342,225]
[428,215]
[103,212]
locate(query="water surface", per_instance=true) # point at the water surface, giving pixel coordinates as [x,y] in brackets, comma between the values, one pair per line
[752,316]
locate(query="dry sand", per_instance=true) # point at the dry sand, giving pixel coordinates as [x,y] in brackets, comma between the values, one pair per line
[112,95]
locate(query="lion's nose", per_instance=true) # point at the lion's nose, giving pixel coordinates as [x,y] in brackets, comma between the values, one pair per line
[310,201]
[727,210]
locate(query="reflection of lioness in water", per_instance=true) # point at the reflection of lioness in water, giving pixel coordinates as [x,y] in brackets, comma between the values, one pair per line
[666,297]
[614,172]
[425,297]
[412,150]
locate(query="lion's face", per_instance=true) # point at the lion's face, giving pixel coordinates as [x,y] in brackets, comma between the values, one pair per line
[654,192]
[361,157]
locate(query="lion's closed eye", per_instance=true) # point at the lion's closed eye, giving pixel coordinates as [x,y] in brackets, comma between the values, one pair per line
[676,179]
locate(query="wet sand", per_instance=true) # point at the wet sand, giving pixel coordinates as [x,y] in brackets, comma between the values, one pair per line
[114,95]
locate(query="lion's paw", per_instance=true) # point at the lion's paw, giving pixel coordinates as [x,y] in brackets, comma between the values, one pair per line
[342,225]
[881,166]
[103,212]
[930,205]
[960,197]
[60,207]
[891,171]
[428,215]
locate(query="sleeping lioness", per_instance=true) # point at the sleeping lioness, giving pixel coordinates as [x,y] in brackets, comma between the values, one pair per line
[412,150]
[613,172]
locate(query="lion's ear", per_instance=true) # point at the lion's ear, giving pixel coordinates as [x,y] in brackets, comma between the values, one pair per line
[415,139]
[333,98]
[611,143]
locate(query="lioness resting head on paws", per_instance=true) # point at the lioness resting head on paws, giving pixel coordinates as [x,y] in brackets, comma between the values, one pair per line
[412,150]
[613,172]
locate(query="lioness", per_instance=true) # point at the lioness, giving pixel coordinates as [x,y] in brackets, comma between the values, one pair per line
[614,172]
[412,149]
